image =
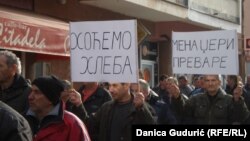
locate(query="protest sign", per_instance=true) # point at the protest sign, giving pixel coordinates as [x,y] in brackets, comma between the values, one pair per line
[208,52]
[104,51]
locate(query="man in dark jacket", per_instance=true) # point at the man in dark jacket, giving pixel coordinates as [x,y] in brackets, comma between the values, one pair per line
[172,112]
[14,126]
[93,96]
[215,106]
[113,120]
[246,92]
[160,89]
[150,96]
[14,89]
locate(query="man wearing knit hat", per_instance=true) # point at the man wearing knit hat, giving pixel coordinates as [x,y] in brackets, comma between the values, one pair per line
[46,115]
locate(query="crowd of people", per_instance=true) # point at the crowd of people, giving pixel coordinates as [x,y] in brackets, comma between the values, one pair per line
[49,108]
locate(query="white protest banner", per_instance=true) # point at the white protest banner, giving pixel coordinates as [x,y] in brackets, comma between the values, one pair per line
[104,51]
[209,52]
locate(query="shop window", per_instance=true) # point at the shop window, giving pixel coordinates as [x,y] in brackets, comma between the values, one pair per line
[149,58]
[147,68]
[42,69]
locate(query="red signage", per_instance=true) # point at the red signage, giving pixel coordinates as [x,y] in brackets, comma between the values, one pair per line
[28,37]
[247,43]
[247,49]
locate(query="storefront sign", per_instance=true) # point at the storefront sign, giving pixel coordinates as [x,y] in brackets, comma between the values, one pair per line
[28,37]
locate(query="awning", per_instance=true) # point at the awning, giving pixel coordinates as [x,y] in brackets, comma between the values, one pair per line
[28,32]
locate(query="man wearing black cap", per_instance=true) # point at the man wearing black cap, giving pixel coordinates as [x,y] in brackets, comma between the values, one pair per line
[46,115]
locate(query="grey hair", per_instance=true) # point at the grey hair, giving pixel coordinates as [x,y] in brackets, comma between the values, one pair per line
[144,84]
[67,84]
[217,76]
[12,59]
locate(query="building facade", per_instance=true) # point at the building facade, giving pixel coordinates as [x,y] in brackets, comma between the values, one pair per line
[157,19]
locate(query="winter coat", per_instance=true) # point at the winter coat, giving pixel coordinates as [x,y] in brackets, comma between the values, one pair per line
[63,127]
[101,121]
[16,96]
[222,109]
[172,113]
[95,101]
[13,127]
